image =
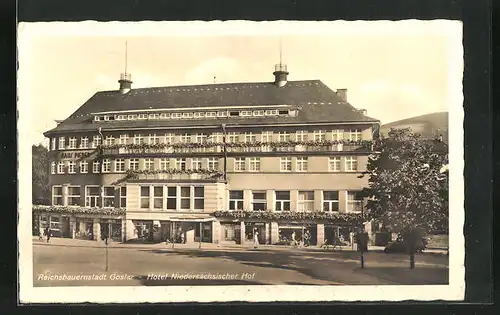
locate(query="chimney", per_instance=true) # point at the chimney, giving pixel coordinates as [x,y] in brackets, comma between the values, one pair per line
[125,82]
[342,93]
[280,74]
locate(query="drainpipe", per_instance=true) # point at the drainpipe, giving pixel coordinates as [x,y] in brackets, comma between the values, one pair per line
[224,133]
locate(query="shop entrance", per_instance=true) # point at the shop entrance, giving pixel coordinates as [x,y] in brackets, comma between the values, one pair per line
[255,227]
[112,229]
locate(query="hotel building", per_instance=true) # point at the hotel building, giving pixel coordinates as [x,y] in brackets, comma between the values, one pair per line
[213,163]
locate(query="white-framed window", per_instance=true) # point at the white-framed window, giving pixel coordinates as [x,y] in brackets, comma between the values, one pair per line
[239,164]
[201,138]
[246,113]
[133,164]
[164,164]
[198,114]
[334,164]
[131,117]
[271,112]
[53,147]
[236,200]
[53,167]
[96,141]
[123,139]
[172,198]
[337,134]
[106,118]
[119,165]
[57,196]
[123,196]
[186,138]
[108,196]
[73,195]
[60,167]
[138,139]
[142,116]
[250,137]
[199,198]
[176,115]
[72,143]
[254,165]
[282,200]
[145,190]
[180,164]
[330,201]
[301,164]
[351,163]
[71,167]
[61,143]
[84,167]
[213,163]
[185,198]
[284,136]
[354,201]
[169,138]
[319,135]
[120,117]
[164,115]
[106,166]
[95,167]
[153,139]
[232,137]
[92,196]
[211,114]
[258,113]
[84,143]
[196,163]
[306,201]
[355,134]
[157,197]
[215,137]
[149,164]
[267,136]
[285,164]
[259,201]
[109,140]
[154,116]
[301,135]
[187,115]
[222,114]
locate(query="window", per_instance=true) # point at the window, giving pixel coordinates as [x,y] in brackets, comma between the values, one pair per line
[60,167]
[239,164]
[211,114]
[95,167]
[301,135]
[355,134]
[213,164]
[84,143]
[142,116]
[149,164]
[120,165]
[71,167]
[153,139]
[351,164]
[123,139]
[330,201]
[334,164]
[158,197]
[236,200]
[176,115]
[196,163]
[109,196]
[286,164]
[164,115]
[169,138]
[96,141]
[215,137]
[245,113]
[164,164]
[282,201]
[73,195]
[185,198]
[271,112]
[84,167]
[53,147]
[232,137]
[154,116]
[306,201]
[319,135]
[106,166]
[180,164]
[57,196]
[199,198]
[72,143]
[187,115]
[171,198]
[267,136]
[199,114]
[109,140]
[337,135]
[92,196]
[133,164]
[301,164]
[138,139]
[201,138]
[284,136]
[354,201]
[131,117]
[250,137]
[259,201]
[186,138]
[61,143]
[53,167]
[258,113]
[254,164]
[123,197]
[145,197]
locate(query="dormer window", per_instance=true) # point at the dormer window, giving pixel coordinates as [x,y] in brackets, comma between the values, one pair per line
[199,114]
[131,117]
[234,114]
[154,116]
[211,115]
[143,116]
[97,118]
[164,115]
[106,118]
[283,112]
[271,112]
[245,113]
[258,113]
[221,114]
[120,117]
[176,115]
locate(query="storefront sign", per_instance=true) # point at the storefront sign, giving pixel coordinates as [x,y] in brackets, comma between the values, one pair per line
[74,155]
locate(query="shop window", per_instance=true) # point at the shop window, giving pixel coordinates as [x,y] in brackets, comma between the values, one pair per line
[92,196]
[171,198]
[283,201]
[73,195]
[185,198]
[306,201]
[199,198]
[330,201]
[259,202]
[158,197]
[109,196]
[236,200]
[145,197]
[57,196]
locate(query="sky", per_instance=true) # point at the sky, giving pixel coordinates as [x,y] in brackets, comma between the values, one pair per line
[391,74]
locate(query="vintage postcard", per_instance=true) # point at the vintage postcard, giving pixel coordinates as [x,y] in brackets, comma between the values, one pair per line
[240,161]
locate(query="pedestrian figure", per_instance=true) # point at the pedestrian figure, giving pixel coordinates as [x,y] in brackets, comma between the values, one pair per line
[294,242]
[182,238]
[47,233]
[256,239]
[40,233]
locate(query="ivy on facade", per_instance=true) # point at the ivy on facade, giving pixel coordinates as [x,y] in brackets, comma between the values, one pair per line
[77,210]
[134,174]
[330,217]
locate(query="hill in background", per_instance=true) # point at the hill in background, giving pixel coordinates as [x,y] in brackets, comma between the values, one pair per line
[429,125]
